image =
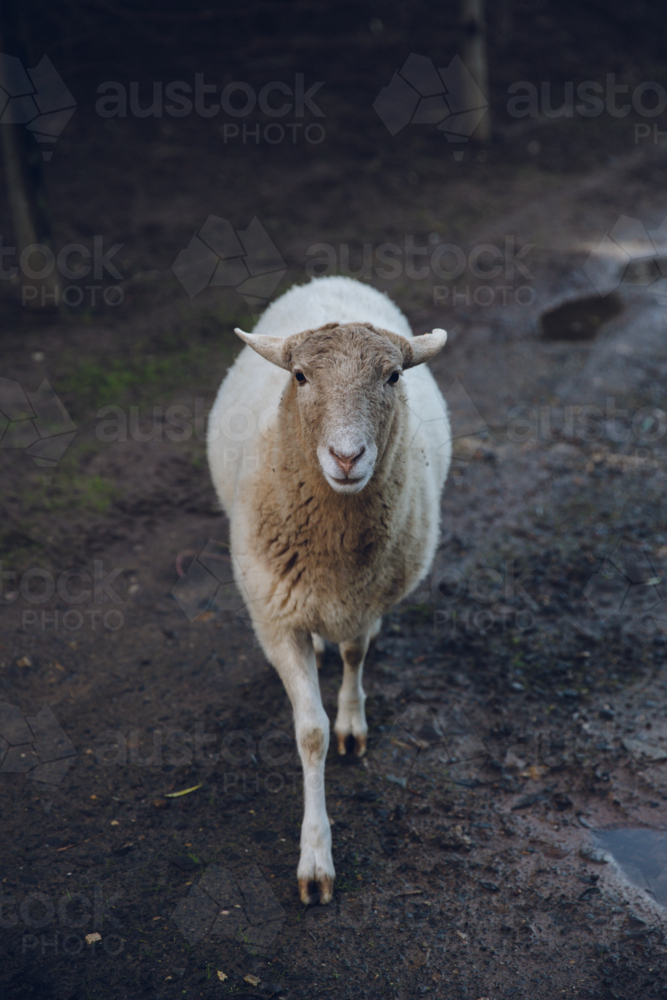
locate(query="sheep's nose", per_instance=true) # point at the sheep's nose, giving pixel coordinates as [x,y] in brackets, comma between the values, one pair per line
[347,461]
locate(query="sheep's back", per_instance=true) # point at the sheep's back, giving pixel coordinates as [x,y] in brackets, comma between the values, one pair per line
[331,300]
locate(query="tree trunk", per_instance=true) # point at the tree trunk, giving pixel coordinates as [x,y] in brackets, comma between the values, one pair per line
[24,179]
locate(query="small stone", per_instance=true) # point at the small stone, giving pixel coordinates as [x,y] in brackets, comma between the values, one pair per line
[222,976]
[596,854]
[562,801]
[253,980]
[402,782]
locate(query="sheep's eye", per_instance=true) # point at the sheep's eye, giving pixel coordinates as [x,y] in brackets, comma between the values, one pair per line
[393,378]
[300,377]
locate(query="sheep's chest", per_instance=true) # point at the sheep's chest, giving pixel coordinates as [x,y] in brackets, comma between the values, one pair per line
[321,574]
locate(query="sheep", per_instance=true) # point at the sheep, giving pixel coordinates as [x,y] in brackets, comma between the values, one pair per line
[333,501]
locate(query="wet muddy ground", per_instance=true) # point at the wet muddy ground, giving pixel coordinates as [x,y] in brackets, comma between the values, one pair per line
[505,835]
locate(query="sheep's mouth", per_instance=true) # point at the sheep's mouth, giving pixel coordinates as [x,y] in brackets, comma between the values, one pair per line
[347,485]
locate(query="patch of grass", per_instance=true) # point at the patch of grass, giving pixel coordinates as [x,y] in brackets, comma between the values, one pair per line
[73,491]
[422,613]
[94,384]
[198,351]
[99,493]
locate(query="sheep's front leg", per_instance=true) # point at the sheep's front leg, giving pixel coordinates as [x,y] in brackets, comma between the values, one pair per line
[294,659]
[351,718]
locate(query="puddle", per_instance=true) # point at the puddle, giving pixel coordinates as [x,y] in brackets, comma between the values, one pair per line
[641,854]
[580,319]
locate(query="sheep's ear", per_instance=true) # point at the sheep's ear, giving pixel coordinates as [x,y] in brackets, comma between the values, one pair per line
[425,347]
[271,348]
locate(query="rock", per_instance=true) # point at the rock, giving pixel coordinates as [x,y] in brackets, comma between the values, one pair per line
[638,747]
[454,839]
[528,800]
[596,854]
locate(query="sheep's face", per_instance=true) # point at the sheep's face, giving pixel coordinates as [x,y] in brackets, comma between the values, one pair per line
[346,385]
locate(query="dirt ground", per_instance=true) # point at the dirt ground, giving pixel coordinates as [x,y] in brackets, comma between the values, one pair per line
[505,835]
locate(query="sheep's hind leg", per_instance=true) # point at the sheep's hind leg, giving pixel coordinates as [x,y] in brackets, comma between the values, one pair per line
[319,646]
[350,727]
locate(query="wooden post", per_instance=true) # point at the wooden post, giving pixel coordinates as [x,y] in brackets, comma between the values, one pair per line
[473,54]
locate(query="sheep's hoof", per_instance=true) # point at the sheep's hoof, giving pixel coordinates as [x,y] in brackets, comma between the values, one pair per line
[348,745]
[314,891]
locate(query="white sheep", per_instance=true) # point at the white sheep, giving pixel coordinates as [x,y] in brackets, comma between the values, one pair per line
[329,451]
